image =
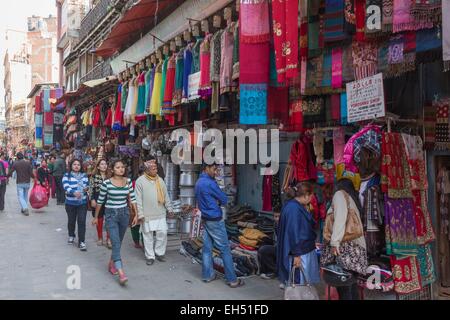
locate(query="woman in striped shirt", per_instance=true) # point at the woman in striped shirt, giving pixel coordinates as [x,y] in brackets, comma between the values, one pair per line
[99,176]
[117,194]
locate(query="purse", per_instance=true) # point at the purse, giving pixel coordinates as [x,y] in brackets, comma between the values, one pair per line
[297,291]
[352,257]
[353,225]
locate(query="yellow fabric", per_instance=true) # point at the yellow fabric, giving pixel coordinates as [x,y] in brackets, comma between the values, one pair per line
[155,108]
[253,234]
[342,173]
[135,100]
[248,242]
[161,197]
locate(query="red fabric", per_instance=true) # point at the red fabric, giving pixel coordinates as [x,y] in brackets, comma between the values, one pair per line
[360,12]
[205,89]
[96,118]
[118,115]
[304,39]
[295,116]
[278,104]
[48,118]
[38,104]
[100,229]
[247,247]
[424,227]
[254,63]
[267,193]
[38,196]
[286,41]
[406,274]
[170,82]
[300,158]
[108,120]
[336,107]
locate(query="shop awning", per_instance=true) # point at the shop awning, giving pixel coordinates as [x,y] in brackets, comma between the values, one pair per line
[97,82]
[70,94]
[139,17]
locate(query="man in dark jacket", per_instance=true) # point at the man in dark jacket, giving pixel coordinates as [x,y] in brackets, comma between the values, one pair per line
[59,169]
[209,199]
[24,171]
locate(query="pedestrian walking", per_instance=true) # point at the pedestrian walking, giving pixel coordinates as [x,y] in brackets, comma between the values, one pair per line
[43,176]
[59,169]
[153,203]
[24,172]
[209,199]
[51,168]
[118,197]
[297,238]
[76,187]
[99,175]
[4,166]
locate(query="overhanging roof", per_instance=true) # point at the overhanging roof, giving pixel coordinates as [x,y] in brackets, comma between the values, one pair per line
[137,18]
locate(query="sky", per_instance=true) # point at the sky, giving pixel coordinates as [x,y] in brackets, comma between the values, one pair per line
[14,16]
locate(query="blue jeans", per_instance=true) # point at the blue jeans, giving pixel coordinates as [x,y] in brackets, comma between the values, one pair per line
[215,233]
[22,193]
[116,221]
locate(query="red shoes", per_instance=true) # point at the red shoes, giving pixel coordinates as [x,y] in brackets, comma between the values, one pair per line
[123,279]
[112,268]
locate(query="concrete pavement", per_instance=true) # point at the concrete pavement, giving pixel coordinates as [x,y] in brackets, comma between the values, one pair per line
[35,259]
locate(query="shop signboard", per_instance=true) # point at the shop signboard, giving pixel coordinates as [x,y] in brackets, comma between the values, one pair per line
[194,85]
[365,99]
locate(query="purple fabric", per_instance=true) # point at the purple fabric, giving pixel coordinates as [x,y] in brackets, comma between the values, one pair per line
[401,231]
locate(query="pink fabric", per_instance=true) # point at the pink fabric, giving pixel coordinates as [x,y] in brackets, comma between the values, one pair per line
[336,107]
[267,193]
[403,20]
[255,14]
[336,60]
[338,145]
[205,90]
[303,75]
[348,150]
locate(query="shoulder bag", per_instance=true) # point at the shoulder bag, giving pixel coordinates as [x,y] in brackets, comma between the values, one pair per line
[295,291]
[353,226]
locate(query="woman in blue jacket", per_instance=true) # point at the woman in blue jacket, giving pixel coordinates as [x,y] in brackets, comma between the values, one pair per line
[297,238]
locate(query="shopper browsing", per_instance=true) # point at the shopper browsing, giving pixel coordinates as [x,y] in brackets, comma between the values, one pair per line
[76,186]
[153,203]
[4,166]
[118,196]
[209,199]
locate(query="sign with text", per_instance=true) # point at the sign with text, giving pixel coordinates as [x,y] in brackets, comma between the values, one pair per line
[365,99]
[194,85]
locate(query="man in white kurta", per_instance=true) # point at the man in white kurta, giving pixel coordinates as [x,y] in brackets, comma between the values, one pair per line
[153,203]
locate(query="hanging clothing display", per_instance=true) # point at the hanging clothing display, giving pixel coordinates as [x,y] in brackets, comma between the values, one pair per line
[155,106]
[130,101]
[187,72]
[226,56]
[140,110]
[169,86]
[254,13]
[406,272]
[179,70]
[334,21]
[149,81]
[446,35]
[214,72]
[205,89]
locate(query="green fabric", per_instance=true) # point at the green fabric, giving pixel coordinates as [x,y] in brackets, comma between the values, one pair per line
[164,76]
[124,96]
[135,233]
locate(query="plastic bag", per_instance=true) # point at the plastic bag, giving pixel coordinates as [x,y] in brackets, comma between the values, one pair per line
[38,196]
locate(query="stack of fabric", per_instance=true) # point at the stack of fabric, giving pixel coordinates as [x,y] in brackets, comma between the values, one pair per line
[252,239]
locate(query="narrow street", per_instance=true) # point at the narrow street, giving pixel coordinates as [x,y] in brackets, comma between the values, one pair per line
[35,258]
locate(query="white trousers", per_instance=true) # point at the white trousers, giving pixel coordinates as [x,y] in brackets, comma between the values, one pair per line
[157,247]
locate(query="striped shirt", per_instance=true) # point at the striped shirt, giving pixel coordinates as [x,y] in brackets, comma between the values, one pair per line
[114,196]
[73,183]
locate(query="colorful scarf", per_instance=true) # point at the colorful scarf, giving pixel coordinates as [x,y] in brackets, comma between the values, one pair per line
[442,126]
[395,175]
[350,17]
[334,21]
[314,72]
[406,272]
[372,19]
[401,234]
[446,34]
[285,34]
[159,189]
[336,60]
[422,217]
[426,11]
[404,20]
[179,69]
[170,85]
[429,124]
[388,11]
[426,265]
[365,59]
[344,117]
[327,68]
[226,65]
[295,115]
[255,14]
[360,13]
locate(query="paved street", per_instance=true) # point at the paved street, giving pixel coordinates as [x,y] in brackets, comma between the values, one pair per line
[35,258]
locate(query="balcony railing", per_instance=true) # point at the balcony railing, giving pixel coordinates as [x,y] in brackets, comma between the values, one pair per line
[101,70]
[94,17]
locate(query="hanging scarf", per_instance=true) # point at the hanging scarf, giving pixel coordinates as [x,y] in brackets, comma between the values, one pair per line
[334,21]
[426,11]
[314,73]
[256,28]
[336,60]
[350,17]
[442,125]
[388,11]
[155,105]
[426,265]
[373,19]
[403,20]
[406,274]
[402,54]
[429,124]
[347,65]
[446,34]
[365,59]
[303,4]
[285,33]
[360,13]
[159,189]
[326,68]
[295,116]
[226,66]
[313,28]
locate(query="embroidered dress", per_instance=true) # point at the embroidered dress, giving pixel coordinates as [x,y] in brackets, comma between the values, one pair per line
[188,58]
[163,83]
[253,12]
[149,80]
[179,69]
[169,86]
[140,112]
[130,102]
[214,71]
[395,174]
[205,89]
[226,65]
[155,107]
[118,114]
[406,274]
[401,234]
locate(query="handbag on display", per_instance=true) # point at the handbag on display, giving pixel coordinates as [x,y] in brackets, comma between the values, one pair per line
[295,291]
[353,225]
